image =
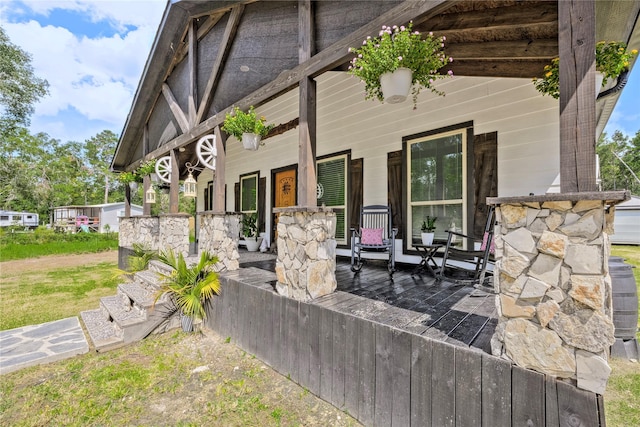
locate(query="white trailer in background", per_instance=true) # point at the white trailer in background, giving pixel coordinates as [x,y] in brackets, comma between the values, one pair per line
[626,223]
[20,219]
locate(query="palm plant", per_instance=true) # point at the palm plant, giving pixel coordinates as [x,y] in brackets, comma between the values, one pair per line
[190,287]
[140,258]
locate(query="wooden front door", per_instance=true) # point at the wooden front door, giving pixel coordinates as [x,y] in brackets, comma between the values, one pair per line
[284,193]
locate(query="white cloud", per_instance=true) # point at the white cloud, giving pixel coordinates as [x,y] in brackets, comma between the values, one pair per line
[95,76]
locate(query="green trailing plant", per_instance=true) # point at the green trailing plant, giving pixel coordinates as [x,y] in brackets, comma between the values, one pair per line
[146,168]
[250,225]
[612,58]
[429,224]
[239,122]
[189,287]
[400,47]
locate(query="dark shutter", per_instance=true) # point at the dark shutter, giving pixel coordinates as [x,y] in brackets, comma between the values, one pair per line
[485,177]
[394,189]
[355,193]
[262,204]
[236,188]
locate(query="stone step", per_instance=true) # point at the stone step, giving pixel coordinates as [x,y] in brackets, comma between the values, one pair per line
[149,279]
[104,334]
[140,296]
[159,267]
[125,315]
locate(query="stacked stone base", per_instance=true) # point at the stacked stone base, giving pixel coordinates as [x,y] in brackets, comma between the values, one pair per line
[219,235]
[553,285]
[306,263]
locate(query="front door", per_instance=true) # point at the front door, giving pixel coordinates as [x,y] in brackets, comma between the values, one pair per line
[284,192]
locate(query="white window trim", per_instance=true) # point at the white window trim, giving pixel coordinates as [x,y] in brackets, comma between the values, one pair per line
[344,156]
[242,178]
[463,202]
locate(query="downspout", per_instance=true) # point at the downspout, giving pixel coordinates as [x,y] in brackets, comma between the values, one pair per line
[622,81]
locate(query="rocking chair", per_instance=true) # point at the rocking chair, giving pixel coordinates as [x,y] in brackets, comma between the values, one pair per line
[375,234]
[470,256]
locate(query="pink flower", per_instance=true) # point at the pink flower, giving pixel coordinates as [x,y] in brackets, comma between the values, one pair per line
[450,72]
[399,58]
[430,33]
[431,81]
[402,28]
[360,55]
[364,42]
[450,59]
[444,38]
[384,27]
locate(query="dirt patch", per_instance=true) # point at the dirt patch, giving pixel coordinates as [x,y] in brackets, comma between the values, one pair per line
[9,268]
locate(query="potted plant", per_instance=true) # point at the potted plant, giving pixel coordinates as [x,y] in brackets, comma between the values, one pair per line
[146,168]
[612,59]
[189,287]
[399,51]
[250,231]
[428,229]
[246,127]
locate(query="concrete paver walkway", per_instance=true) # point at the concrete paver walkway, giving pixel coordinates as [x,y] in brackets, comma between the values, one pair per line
[37,344]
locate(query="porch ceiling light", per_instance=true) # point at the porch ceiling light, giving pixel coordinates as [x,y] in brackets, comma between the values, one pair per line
[150,195]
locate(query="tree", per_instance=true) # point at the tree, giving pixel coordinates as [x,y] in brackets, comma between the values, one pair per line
[619,159]
[20,89]
[99,151]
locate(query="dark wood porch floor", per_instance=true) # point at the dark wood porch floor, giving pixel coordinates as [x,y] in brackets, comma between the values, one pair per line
[459,315]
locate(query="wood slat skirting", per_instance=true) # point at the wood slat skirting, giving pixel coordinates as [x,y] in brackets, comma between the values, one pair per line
[383,375]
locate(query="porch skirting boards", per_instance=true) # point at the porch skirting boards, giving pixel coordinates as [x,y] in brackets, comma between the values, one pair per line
[381,373]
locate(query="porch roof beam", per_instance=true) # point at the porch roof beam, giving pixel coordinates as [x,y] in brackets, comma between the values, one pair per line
[328,59]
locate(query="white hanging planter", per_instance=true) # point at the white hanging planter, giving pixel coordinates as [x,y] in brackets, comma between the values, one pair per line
[427,238]
[251,141]
[395,86]
[599,80]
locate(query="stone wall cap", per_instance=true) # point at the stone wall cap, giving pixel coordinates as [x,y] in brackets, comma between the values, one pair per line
[309,209]
[175,215]
[218,213]
[610,197]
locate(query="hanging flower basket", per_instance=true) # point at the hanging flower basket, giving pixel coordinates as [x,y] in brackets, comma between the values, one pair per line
[396,85]
[612,59]
[251,141]
[396,48]
[238,123]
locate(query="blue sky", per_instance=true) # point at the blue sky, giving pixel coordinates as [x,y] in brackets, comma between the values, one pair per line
[93,53]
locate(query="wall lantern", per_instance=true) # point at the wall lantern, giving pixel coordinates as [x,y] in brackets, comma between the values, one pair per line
[150,195]
[190,184]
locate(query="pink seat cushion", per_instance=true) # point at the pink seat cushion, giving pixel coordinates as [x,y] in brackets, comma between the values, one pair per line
[492,246]
[371,236]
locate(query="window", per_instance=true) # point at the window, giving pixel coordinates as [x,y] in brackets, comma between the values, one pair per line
[17,218]
[332,190]
[4,217]
[437,181]
[208,196]
[249,193]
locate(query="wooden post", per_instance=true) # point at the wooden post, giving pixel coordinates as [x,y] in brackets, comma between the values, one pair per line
[146,207]
[193,72]
[307,92]
[127,200]
[576,27]
[146,183]
[174,191]
[218,179]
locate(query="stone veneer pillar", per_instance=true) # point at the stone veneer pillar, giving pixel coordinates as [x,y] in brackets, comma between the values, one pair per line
[306,263]
[219,235]
[552,280]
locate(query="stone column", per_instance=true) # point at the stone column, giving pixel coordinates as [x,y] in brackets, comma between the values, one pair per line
[142,230]
[306,263]
[219,235]
[174,233]
[552,280]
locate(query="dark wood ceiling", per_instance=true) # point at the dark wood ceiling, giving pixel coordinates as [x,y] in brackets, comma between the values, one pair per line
[486,38]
